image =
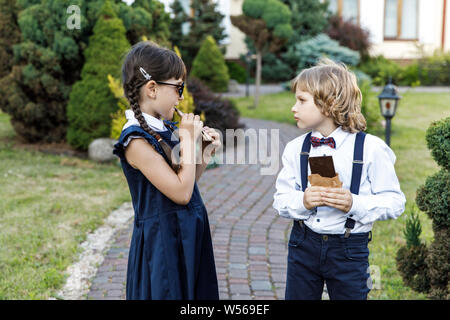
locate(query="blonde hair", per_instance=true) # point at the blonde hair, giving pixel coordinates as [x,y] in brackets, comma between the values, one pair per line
[335,93]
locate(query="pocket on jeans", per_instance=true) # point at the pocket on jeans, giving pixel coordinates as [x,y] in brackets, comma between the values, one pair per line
[297,235]
[357,253]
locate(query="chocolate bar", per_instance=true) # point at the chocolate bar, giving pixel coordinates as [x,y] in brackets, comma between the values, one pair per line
[323,166]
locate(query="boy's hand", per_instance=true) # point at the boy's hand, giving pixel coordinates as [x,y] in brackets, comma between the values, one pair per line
[312,197]
[338,198]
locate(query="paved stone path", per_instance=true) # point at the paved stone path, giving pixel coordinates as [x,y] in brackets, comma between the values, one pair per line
[263,89]
[249,237]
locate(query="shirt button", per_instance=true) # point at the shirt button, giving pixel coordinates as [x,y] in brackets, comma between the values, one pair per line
[318,220]
[351,215]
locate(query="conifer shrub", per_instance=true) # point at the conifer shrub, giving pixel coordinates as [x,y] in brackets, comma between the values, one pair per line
[91,103]
[210,67]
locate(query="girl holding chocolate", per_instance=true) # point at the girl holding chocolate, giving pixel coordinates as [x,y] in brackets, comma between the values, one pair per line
[171,253]
[352,184]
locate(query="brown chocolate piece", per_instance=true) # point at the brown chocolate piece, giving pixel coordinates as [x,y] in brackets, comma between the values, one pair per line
[323,166]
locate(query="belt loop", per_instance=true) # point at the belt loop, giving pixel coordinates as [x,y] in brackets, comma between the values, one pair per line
[370,235]
[300,222]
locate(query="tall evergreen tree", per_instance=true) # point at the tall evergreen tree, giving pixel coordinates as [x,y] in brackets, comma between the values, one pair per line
[176,25]
[9,36]
[91,103]
[206,20]
[159,27]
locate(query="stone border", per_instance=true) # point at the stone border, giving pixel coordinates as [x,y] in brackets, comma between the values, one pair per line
[93,251]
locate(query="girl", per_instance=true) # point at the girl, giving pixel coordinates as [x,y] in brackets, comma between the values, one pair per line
[171,254]
[331,231]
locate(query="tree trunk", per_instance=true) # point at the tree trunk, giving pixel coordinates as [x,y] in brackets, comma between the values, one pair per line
[258,77]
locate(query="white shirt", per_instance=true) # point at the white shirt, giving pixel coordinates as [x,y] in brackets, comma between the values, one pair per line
[379,198]
[154,123]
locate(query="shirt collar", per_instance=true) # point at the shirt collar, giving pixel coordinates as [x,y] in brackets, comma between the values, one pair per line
[155,123]
[338,135]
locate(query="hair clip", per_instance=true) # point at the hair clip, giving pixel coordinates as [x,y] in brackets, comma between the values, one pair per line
[145,74]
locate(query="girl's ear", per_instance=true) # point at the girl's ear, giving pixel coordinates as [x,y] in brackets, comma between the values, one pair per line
[150,89]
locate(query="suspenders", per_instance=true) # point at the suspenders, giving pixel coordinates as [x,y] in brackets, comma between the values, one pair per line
[356,169]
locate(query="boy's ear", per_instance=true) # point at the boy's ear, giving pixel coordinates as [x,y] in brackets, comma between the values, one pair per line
[150,89]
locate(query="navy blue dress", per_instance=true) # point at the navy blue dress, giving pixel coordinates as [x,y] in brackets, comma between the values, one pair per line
[171,253]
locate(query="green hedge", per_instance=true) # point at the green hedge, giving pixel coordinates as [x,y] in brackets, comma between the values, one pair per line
[429,71]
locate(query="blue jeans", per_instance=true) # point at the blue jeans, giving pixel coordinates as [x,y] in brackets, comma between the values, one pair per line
[313,258]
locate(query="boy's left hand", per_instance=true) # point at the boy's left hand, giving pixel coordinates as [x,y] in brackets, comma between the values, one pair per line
[338,198]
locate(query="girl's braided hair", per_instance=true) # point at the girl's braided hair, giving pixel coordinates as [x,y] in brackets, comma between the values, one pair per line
[161,64]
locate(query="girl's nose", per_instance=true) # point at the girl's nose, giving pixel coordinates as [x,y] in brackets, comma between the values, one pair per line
[293,109]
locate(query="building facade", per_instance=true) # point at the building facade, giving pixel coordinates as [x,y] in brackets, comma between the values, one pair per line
[399,29]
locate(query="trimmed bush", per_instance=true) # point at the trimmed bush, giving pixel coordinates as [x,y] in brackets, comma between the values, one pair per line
[91,103]
[433,198]
[209,66]
[413,268]
[236,71]
[428,269]
[438,141]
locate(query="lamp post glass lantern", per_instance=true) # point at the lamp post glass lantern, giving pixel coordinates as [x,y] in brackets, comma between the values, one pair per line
[388,100]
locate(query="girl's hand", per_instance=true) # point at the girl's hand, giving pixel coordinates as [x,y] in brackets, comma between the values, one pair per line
[312,197]
[338,198]
[210,147]
[190,127]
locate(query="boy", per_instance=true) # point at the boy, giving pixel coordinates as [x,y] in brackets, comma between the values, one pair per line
[331,231]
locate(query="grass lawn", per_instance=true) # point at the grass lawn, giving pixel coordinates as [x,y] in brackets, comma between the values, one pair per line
[414,163]
[48,204]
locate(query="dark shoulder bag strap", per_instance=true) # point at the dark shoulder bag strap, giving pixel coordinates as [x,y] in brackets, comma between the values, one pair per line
[356,174]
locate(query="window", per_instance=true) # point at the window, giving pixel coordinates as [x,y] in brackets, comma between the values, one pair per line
[347,9]
[400,19]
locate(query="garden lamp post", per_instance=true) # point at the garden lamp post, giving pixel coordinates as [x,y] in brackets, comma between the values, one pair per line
[248,59]
[388,100]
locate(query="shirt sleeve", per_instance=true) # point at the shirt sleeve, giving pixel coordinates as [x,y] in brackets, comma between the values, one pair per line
[387,201]
[288,197]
